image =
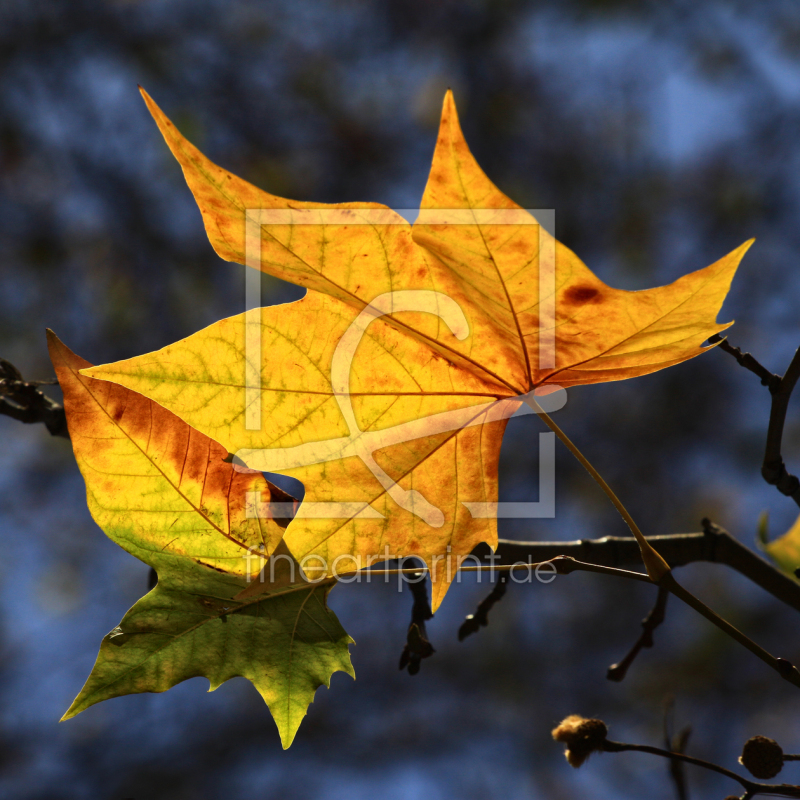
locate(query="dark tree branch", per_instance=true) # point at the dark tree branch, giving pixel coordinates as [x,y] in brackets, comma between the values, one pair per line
[564,565]
[773,469]
[24,401]
[617,672]
[715,545]
[769,379]
[473,622]
[417,644]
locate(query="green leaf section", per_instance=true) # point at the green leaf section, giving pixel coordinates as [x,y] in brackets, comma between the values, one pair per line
[287,644]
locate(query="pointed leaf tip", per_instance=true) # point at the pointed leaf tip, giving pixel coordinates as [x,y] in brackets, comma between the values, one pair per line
[449,105]
[155,110]
[745,246]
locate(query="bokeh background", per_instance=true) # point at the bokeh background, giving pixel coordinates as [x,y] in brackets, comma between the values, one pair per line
[663,134]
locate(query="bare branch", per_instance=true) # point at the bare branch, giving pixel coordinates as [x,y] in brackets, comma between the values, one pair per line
[617,672]
[473,622]
[714,545]
[773,469]
[746,360]
[417,644]
[752,787]
[24,401]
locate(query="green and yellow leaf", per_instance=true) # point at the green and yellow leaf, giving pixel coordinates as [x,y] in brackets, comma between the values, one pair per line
[164,492]
[287,644]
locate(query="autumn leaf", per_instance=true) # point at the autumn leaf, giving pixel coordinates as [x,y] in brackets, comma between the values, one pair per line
[457,318]
[165,494]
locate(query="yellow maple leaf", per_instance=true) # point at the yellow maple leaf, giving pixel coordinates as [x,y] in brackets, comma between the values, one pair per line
[387,388]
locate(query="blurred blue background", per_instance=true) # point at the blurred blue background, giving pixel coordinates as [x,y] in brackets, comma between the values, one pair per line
[663,134]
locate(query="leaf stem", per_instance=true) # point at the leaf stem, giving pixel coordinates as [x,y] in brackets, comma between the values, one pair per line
[654,564]
[657,568]
[781,665]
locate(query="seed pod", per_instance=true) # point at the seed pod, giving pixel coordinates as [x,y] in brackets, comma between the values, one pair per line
[762,757]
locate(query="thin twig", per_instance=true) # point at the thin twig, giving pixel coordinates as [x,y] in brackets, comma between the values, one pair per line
[23,401]
[782,666]
[480,618]
[769,379]
[773,470]
[617,672]
[565,565]
[417,645]
[752,788]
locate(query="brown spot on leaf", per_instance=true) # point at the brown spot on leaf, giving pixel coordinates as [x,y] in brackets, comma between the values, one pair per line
[577,295]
